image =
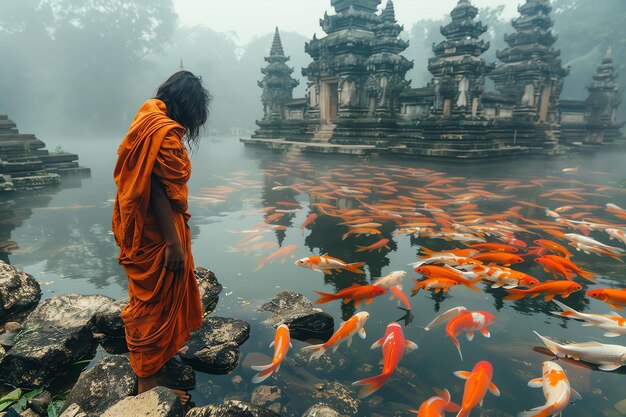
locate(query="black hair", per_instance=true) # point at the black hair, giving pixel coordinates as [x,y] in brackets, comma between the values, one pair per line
[187,102]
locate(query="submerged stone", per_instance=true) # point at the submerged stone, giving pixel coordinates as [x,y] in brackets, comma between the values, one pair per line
[320,410]
[296,311]
[158,402]
[214,348]
[210,288]
[231,409]
[56,334]
[19,291]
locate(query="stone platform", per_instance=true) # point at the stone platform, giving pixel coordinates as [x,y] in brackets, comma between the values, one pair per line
[314,147]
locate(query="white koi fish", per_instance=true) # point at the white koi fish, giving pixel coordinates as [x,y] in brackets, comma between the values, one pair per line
[613,323]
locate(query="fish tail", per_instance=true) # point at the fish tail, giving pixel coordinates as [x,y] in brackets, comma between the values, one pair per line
[470,284]
[567,311]
[588,275]
[371,385]
[362,248]
[426,252]
[463,412]
[552,346]
[515,294]
[325,297]
[355,267]
[457,344]
[318,351]
[265,372]
[543,411]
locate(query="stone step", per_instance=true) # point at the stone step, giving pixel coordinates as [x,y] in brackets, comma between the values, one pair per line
[55,158]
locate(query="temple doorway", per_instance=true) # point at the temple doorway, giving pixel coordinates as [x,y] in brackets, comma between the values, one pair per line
[329,101]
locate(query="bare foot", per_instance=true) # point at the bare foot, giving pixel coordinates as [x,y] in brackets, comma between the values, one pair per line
[146,384]
[182,395]
[183,350]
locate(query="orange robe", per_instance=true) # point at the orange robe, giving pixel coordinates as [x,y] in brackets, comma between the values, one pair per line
[164,306]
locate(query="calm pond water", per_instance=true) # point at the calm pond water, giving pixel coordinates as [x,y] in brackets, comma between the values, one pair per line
[64,240]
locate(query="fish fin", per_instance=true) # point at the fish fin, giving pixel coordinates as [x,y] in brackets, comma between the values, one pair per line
[485,333]
[611,334]
[349,342]
[587,325]
[481,402]
[509,287]
[318,351]
[575,394]
[265,372]
[369,301]
[609,366]
[615,313]
[325,297]
[290,345]
[544,410]
[371,385]
[515,294]
[452,407]
[469,336]
[357,303]
[409,346]
[445,317]
[443,393]
[362,333]
[549,297]
[458,346]
[272,344]
[408,316]
[378,343]
[462,374]
[494,390]
[536,383]
[355,267]
[327,272]
[498,285]
[347,300]
[336,347]
[552,346]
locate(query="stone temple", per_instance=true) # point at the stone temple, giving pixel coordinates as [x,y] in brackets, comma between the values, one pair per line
[359,100]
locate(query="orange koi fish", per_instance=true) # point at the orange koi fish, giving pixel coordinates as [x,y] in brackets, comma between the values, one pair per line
[327,264]
[461,253]
[378,245]
[506,278]
[495,247]
[436,284]
[464,278]
[396,291]
[437,405]
[556,390]
[345,333]
[477,383]
[309,220]
[281,343]
[505,259]
[282,254]
[571,266]
[555,268]
[549,289]
[356,293]
[394,345]
[615,298]
[361,231]
[460,320]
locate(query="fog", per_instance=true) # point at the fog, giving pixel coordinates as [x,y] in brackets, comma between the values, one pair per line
[80,68]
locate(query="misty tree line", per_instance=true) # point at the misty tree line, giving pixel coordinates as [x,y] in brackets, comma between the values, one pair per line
[82,67]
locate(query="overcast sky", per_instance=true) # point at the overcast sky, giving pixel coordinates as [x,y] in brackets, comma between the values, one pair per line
[246,19]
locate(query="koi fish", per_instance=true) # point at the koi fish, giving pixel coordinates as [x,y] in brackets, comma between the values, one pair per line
[495,247]
[545,246]
[608,357]
[327,264]
[281,345]
[617,234]
[392,279]
[378,245]
[309,220]
[614,324]
[397,292]
[282,254]
[356,293]
[394,345]
[465,278]
[598,251]
[503,277]
[587,241]
[556,390]
[446,258]
[571,170]
[505,259]
[462,321]
[616,298]
[437,405]
[569,265]
[345,333]
[555,268]
[437,284]
[549,289]
[361,231]
[477,383]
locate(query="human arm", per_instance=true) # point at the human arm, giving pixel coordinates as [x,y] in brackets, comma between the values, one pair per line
[162,208]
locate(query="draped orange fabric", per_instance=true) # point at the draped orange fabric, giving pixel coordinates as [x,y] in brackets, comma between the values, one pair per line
[164,306]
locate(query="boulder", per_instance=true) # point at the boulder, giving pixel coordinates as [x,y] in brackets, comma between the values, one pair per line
[296,311]
[214,348]
[231,409]
[267,396]
[19,291]
[55,335]
[112,379]
[158,402]
[210,288]
[320,410]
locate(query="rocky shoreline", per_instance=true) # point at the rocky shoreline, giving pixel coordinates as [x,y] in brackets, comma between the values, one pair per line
[41,341]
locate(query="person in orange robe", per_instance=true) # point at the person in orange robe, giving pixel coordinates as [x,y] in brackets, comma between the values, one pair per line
[150,225]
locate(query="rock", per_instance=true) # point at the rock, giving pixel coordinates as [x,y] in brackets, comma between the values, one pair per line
[210,288]
[112,379]
[2,352]
[12,326]
[7,339]
[621,407]
[19,291]
[296,311]
[320,410]
[30,413]
[109,327]
[158,402]
[327,366]
[214,348]
[39,404]
[231,409]
[268,397]
[56,334]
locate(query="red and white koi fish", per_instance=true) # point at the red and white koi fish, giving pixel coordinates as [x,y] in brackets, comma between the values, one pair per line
[503,277]
[394,345]
[556,390]
[437,405]
[607,357]
[447,259]
[618,234]
[614,324]
[462,321]
[614,297]
[477,383]
[356,293]
[327,264]
[345,333]
[281,344]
